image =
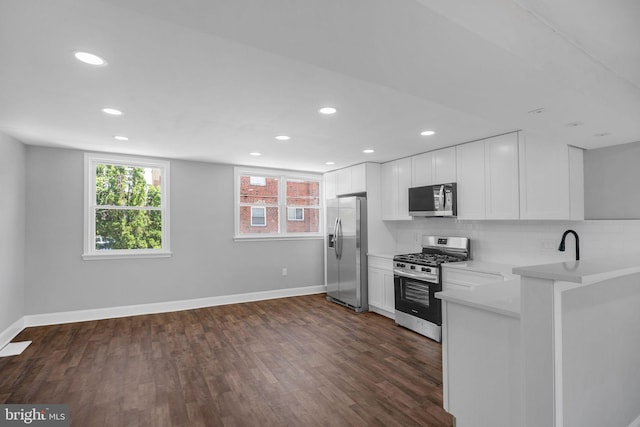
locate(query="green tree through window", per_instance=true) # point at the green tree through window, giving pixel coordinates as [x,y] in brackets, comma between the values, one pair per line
[128,207]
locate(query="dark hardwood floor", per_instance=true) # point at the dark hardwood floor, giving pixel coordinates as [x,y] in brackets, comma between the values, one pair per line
[298,361]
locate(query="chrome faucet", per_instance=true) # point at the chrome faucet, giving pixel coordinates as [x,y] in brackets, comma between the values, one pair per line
[564,236]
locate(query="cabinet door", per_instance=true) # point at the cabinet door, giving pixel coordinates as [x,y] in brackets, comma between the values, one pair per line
[330,185]
[403,173]
[444,165]
[470,178]
[343,181]
[389,187]
[422,170]
[375,287]
[501,177]
[388,292]
[544,179]
[358,178]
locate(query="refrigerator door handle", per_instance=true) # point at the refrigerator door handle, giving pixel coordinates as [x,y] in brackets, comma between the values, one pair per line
[339,238]
[334,237]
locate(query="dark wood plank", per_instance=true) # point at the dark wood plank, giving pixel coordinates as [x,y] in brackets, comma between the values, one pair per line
[285,362]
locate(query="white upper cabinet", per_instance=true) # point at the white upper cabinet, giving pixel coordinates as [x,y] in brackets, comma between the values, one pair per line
[470,180]
[501,177]
[444,165]
[434,167]
[422,170]
[395,183]
[487,178]
[330,185]
[346,181]
[551,180]
[359,178]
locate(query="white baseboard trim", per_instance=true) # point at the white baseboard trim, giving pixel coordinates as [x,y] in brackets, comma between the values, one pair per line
[383,312]
[11,332]
[163,307]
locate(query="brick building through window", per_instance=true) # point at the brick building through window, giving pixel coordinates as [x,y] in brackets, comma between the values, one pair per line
[263,210]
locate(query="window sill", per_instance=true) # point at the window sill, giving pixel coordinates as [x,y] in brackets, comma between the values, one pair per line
[124,255]
[270,238]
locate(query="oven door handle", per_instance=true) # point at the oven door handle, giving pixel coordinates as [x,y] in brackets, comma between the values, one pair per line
[401,273]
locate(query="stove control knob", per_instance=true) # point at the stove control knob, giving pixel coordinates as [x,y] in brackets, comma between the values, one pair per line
[413,267]
[426,270]
[400,265]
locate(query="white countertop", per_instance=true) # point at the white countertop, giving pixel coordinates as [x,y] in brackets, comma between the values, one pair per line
[483,267]
[584,271]
[502,297]
[381,255]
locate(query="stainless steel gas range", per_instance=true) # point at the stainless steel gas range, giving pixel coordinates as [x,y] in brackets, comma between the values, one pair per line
[418,276]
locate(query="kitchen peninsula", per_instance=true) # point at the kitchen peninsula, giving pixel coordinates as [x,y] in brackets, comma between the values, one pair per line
[556,347]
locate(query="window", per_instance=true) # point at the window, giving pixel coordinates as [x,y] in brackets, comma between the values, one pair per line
[258,180]
[275,204]
[126,207]
[258,216]
[295,214]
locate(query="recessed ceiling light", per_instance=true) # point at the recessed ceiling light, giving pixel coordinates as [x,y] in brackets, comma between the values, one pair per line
[121,138]
[536,111]
[574,124]
[327,110]
[89,58]
[283,138]
[368,151]
[255,153]
[427,133]
[599,135]
[330,163]
[112,111]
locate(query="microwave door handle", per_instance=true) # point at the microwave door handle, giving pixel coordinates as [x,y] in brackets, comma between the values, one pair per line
[441,197]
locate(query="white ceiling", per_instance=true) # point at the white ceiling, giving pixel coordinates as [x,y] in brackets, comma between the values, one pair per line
[214,80]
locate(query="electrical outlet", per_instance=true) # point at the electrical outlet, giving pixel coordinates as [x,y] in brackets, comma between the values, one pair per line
[548,244]
[284,271]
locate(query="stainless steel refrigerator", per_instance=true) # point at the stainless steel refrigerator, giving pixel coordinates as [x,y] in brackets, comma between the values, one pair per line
[346,266]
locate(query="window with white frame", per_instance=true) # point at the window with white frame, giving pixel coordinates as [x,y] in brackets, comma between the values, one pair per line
[277,204]
[258,216]
[126,207]
[295,214]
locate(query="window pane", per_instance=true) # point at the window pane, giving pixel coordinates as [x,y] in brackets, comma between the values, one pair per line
[270,221]
[303,193]
[295,214]
[266,194]
[258,216]
[128,229]
[258,180]
[118,185]
[310,223]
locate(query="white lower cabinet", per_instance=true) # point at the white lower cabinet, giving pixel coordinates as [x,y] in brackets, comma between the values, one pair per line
[381,294]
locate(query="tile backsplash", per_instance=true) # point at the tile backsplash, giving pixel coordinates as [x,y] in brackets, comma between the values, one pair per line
[525,242]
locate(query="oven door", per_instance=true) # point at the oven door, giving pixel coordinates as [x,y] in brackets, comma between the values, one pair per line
[416,297]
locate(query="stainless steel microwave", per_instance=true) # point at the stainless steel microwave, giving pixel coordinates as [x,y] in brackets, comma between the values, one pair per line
[433,200]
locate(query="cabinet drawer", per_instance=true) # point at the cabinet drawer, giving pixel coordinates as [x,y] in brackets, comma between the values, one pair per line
[469,278]
[379,262]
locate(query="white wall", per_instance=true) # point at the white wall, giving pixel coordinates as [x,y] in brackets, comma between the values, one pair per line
[206,261]
[525,242]
[12,231]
